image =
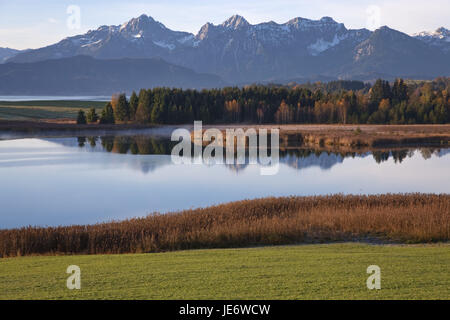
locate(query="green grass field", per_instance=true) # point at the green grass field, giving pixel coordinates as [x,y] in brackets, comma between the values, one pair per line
[333,271]
[29,110]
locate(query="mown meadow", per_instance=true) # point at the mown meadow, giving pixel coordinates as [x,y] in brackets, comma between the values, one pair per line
[326,271]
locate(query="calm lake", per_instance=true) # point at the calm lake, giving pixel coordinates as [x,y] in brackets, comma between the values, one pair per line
[80,180]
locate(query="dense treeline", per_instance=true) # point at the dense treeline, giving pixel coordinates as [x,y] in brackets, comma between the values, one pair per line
[383,103]
[333,86]
[269,221]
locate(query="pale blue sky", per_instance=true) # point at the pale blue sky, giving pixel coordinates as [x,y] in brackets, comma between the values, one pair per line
[32,24]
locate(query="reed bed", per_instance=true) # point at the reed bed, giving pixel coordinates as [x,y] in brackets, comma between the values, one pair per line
[406,218]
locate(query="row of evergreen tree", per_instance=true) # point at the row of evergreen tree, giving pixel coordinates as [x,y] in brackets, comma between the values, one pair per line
[383,103]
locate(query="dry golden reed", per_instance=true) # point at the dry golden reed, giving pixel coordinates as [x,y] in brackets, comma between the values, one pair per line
[409,218]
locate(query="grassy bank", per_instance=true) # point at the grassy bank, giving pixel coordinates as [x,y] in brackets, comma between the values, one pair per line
[336,271]
[58,109]
[410,218]
[55,103]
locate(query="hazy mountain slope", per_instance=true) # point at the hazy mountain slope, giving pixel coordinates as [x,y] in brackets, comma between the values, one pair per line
[391,52]
[83,75]
[6,53]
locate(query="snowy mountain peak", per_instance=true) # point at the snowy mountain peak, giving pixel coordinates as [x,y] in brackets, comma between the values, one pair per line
[439,38]
[443,30]
[440,33]
[235,22]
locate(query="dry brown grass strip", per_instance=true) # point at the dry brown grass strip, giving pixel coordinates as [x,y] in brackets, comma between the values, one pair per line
[408,218]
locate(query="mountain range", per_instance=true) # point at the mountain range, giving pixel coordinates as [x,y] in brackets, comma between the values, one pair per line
[239,52]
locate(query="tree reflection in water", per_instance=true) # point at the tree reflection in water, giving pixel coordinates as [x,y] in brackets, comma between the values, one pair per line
[296,157]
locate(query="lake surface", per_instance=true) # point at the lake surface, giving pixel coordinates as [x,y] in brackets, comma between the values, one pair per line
[80,180]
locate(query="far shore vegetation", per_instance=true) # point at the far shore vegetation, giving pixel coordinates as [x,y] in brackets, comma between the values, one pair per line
[391,218]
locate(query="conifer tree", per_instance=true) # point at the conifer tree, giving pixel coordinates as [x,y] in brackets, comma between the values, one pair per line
[134,101]
[120,107]
[144,107]
[92,116]
[81,118]
[107,116]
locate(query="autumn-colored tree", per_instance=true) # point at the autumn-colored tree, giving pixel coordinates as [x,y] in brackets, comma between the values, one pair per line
[284,113]
[342,107]
[384,105]
[233,110]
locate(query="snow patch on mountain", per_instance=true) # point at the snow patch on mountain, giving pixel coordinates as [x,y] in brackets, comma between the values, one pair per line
[91,43]
[321,45]
[186,39]
[164,44]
